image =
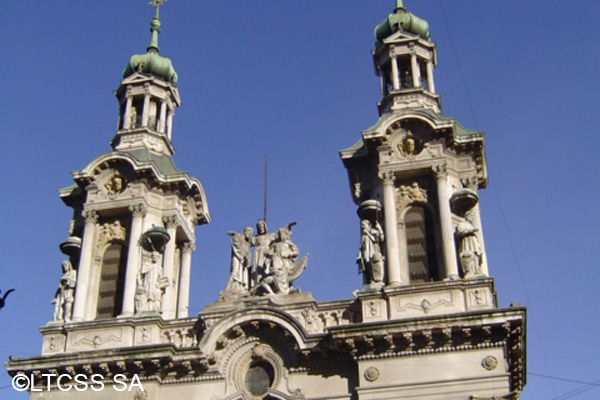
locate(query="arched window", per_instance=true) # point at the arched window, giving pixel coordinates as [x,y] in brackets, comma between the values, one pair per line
[112,281]
[420,243]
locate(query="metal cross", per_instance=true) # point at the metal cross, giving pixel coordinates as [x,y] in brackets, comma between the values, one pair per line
[157,4]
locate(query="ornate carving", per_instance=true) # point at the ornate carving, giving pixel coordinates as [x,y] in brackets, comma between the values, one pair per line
[424,304]
[90,216]
[406,195]
[171,221]
[188,248]
[490,363]
[111,232]
[138,210]
[440,171]
[387,177]
[140,395]
[372,374]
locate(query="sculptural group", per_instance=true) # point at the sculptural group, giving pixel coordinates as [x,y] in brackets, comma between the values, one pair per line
[263,263]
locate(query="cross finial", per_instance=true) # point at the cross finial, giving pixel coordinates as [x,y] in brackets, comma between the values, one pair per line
[157,4]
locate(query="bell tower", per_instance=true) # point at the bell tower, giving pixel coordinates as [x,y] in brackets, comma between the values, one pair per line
[416,173]
[134,212]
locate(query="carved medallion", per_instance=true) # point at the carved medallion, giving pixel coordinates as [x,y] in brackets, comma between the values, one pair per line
[115,186]
[410,145]
[371,374]
[489,363]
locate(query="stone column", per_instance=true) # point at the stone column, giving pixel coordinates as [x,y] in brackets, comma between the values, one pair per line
[382,83]
[146,109]
[133,259]
[85,265]
[391,229]
[395,72]
[163,116]
[127,114]
[430,76]
[416,72]
[184,280]
[168,302]
[448,245]
[170,124]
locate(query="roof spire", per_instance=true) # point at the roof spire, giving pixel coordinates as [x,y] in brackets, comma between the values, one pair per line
[399,4]
[155,25]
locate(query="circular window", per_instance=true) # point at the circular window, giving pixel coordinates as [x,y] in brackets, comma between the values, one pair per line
[259,378]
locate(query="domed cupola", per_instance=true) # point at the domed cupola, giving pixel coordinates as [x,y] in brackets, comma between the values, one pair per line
[403,20]
[151,62]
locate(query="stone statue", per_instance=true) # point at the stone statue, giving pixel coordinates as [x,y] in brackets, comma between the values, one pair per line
[63,300]
[270,268]
[469,249]
[150,285]
[261,243]
[370,259]
[239,278]
[283,267]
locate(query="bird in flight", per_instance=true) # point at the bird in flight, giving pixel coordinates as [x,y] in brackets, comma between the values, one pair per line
[3,298]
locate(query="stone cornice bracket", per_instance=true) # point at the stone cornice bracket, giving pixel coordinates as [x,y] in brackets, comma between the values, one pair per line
[387,177]
[440,170]
[138,210]
[188,247]
[171,221]
[90,216]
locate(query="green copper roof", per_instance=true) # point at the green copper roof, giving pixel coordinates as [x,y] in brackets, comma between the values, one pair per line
[151,62]
[403,20]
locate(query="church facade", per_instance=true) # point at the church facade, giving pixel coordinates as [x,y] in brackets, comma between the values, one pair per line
[425,325]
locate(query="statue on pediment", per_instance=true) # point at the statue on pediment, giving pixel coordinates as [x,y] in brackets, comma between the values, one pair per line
[265,263]
[239,278]
[283,267]
[261,242]
[65,294]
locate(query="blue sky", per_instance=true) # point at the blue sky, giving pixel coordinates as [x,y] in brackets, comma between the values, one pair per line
[295,81]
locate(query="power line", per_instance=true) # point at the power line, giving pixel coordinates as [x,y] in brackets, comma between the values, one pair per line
[494,190]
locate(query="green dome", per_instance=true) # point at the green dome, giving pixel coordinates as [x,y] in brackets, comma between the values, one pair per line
[401,20]
[151,62]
